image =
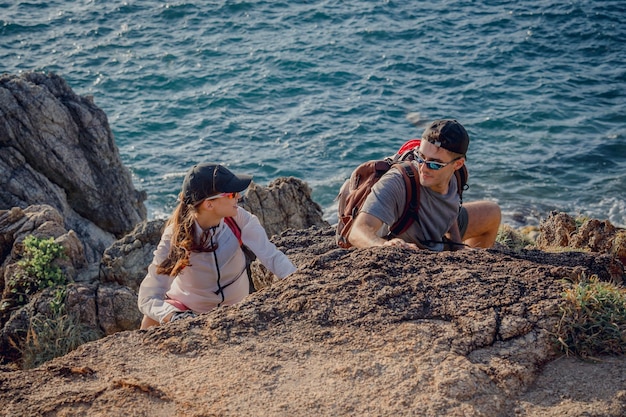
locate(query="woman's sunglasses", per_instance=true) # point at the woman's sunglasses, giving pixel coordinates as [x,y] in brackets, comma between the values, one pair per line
[220,195]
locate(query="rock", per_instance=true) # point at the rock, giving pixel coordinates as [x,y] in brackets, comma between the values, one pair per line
[103,296]
[453,333]
[16,308]
[126,261]
[555,231]
[117,309]
[618,248]
[99,309]
[284,204]
[81,301]
[108,308]
[42,222]
[559,230]
[56,148]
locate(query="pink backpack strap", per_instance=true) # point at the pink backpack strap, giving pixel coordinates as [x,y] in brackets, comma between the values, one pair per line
[249,255]
[230,222]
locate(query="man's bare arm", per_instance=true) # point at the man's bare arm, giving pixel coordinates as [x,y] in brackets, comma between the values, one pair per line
[364,234]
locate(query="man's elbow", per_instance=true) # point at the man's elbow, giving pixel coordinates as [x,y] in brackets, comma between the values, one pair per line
[360,237]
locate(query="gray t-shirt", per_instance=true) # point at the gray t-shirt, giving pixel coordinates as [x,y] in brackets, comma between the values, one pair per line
[437,212]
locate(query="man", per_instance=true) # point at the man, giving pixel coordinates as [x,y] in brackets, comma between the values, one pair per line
[442,151]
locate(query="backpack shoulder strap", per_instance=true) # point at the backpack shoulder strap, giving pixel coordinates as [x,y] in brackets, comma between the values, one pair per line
[249,255]
[461,181]
[353,194]
[230,222]
[411,206]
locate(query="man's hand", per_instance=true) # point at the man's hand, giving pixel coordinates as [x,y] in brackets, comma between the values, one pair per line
[399,243]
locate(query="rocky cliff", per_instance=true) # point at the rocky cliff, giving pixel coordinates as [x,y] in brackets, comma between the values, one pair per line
[102,296]
[381,331]
[61,178]
[56,148]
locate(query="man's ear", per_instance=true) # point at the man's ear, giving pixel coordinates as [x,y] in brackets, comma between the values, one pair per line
[458,164]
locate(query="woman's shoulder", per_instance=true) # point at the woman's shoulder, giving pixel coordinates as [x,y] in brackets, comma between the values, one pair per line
[168,230]
[243,216]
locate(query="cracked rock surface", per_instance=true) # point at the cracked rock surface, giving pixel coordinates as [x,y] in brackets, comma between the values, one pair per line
[381,332]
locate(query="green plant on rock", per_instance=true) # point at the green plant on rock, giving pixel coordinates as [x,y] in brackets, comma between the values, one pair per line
[57,304]
[580,220]
[513,239]
[37,269]
[593,319]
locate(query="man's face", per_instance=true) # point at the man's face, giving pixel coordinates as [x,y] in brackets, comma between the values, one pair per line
[436,166]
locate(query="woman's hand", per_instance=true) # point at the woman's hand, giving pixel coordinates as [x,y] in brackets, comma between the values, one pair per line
[168,318]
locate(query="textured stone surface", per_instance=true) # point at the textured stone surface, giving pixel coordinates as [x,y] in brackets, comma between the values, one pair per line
[559,230]
[103,296]
[284,204]
[126,261]
[56,148]
[460,334]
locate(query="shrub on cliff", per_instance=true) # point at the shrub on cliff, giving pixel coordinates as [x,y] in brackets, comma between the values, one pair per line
[36,270]
[57,333]
[593,319]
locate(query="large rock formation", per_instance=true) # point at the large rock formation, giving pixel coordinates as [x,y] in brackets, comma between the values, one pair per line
[284,204]
[560,230]
[105,307]
[56,148]
[379,331]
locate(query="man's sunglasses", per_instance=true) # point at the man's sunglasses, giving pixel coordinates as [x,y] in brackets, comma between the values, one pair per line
[435,166]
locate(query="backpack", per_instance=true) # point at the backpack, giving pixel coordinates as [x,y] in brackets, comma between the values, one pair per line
[355,190]
[250,256]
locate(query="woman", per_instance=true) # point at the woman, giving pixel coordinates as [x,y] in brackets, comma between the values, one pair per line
[199,263]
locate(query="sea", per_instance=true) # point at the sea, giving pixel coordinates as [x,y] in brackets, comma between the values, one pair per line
[310,89]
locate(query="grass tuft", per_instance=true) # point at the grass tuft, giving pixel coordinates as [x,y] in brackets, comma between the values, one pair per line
[593,319]
[51,337]
[513,239]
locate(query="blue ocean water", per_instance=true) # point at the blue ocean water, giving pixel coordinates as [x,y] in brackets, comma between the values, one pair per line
[312,88]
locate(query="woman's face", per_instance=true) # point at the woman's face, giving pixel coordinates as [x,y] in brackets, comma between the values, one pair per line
[225,205]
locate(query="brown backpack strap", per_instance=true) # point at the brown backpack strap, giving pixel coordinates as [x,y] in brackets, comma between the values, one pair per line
[461,181]
[411,206]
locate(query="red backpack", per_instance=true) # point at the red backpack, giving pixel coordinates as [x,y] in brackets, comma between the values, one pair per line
[355,190]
